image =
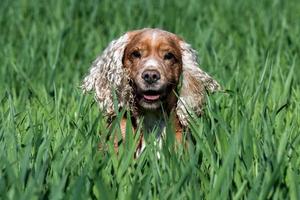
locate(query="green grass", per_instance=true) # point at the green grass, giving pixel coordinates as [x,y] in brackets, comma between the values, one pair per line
[247,145]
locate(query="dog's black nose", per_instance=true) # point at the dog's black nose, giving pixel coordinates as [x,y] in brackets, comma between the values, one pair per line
[151,76]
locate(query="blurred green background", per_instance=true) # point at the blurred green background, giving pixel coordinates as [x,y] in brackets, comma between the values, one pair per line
[247,143]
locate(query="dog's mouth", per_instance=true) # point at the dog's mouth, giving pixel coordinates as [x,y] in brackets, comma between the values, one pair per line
[152,95]
[151,99]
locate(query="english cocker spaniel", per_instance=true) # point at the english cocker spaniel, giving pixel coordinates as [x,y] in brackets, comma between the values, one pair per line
[154,75]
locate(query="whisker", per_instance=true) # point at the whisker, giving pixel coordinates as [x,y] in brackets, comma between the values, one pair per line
[171,83]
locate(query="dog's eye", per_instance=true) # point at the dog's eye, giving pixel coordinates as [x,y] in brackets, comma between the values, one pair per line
[169,56]
[136,54]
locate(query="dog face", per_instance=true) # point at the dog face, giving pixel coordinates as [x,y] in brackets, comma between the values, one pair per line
[140,71]
[154,62]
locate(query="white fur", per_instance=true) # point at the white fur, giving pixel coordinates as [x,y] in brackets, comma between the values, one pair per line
[191,99]
[153,122]
[153,37]
[108,76]
[151,63]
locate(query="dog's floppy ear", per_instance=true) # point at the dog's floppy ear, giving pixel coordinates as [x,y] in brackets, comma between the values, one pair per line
[195,84]
[108,78]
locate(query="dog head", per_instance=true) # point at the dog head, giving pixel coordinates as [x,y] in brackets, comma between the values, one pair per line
[144,69]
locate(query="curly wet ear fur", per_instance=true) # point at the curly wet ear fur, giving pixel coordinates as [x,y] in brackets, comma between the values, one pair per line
[108,78]
[195,84]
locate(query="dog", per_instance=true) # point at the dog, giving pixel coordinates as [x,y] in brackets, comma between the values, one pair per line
[154,75]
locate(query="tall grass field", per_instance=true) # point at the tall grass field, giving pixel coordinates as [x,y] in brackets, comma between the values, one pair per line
[246,145]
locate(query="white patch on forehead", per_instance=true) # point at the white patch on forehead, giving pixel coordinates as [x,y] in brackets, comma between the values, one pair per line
[154,36]
[151,63]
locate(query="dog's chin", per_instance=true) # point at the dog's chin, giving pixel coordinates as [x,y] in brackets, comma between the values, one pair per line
[150,105]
